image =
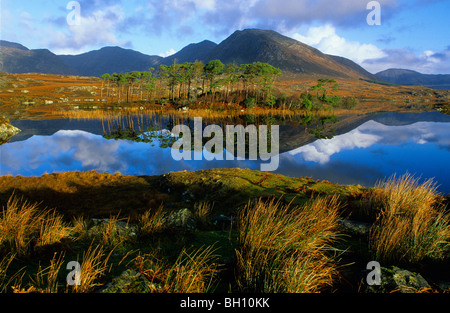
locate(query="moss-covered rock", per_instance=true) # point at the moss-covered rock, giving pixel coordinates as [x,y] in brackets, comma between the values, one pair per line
[129,281]
[394,279]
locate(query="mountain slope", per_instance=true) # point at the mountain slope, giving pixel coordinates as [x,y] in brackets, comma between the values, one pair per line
[408,77]
[110,60]
[254,45]
[191,53]
[15,58]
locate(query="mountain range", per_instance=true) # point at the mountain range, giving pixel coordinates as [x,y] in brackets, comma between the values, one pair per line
[243,46]
[246,46]
[408,77]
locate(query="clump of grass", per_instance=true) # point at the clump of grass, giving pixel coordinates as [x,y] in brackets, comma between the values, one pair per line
[53,229]
[22,223]
[80,227]
[94,265]
[287,250]
[411,225]
[192,272]
[202,213]
[5,280]
[46,280]
[111,234]
[152,222]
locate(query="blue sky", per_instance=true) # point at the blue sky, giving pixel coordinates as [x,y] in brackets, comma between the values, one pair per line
[413,34]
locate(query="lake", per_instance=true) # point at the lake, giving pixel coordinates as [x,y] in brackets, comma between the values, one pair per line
[361,150]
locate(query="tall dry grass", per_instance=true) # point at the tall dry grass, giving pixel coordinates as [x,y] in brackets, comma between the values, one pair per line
[5,279]
[287,249]
[46,279]
[152,222]
[192,272]
[23,223]
[94,265]
[411,224]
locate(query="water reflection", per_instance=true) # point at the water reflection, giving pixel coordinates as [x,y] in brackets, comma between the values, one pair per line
[376,148]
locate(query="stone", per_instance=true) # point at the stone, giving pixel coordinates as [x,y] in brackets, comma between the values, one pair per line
[395,279]
[355,227]
[182,219]
[221,221]
[129,281]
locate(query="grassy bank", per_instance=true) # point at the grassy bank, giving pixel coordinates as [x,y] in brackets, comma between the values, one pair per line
[223,230]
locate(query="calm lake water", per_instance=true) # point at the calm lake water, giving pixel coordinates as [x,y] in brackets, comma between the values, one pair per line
[372,148]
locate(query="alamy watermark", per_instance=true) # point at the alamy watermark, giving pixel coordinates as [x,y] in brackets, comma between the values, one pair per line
[74,16]
[374,276]
[74,276]
[374,17]
[263,142]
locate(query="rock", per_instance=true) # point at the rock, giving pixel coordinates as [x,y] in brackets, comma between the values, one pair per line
[394,279]
[355,227]
[7,130]
[122,227]
[445,286]
[187,196]
[129,281]
[181,219]
[221,221]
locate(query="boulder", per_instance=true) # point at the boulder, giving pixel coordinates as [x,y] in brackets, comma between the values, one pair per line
[182,219]
[394,279]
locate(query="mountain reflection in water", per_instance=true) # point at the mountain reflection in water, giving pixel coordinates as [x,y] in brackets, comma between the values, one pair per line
[378,147]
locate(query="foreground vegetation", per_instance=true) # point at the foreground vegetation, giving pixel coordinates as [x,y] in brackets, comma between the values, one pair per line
[215,231]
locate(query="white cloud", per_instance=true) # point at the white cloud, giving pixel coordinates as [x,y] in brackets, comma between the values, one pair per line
[97,29]
[326,40]
[320,151]
[167,53]
[371,133]
[426,62]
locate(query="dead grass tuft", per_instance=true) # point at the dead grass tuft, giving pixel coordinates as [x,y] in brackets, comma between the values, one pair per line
[411,225]
[284,249]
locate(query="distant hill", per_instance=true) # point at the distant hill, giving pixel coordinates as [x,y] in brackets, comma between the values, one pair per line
[110,60]
[408,77]
[246,46]
[15,58]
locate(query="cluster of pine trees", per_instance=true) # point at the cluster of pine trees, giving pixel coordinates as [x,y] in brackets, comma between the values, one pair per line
[188,82]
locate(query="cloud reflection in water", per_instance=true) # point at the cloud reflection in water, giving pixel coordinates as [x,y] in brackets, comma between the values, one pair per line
[364,155]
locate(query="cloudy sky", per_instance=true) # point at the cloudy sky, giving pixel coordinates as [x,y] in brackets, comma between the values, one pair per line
[412,34]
